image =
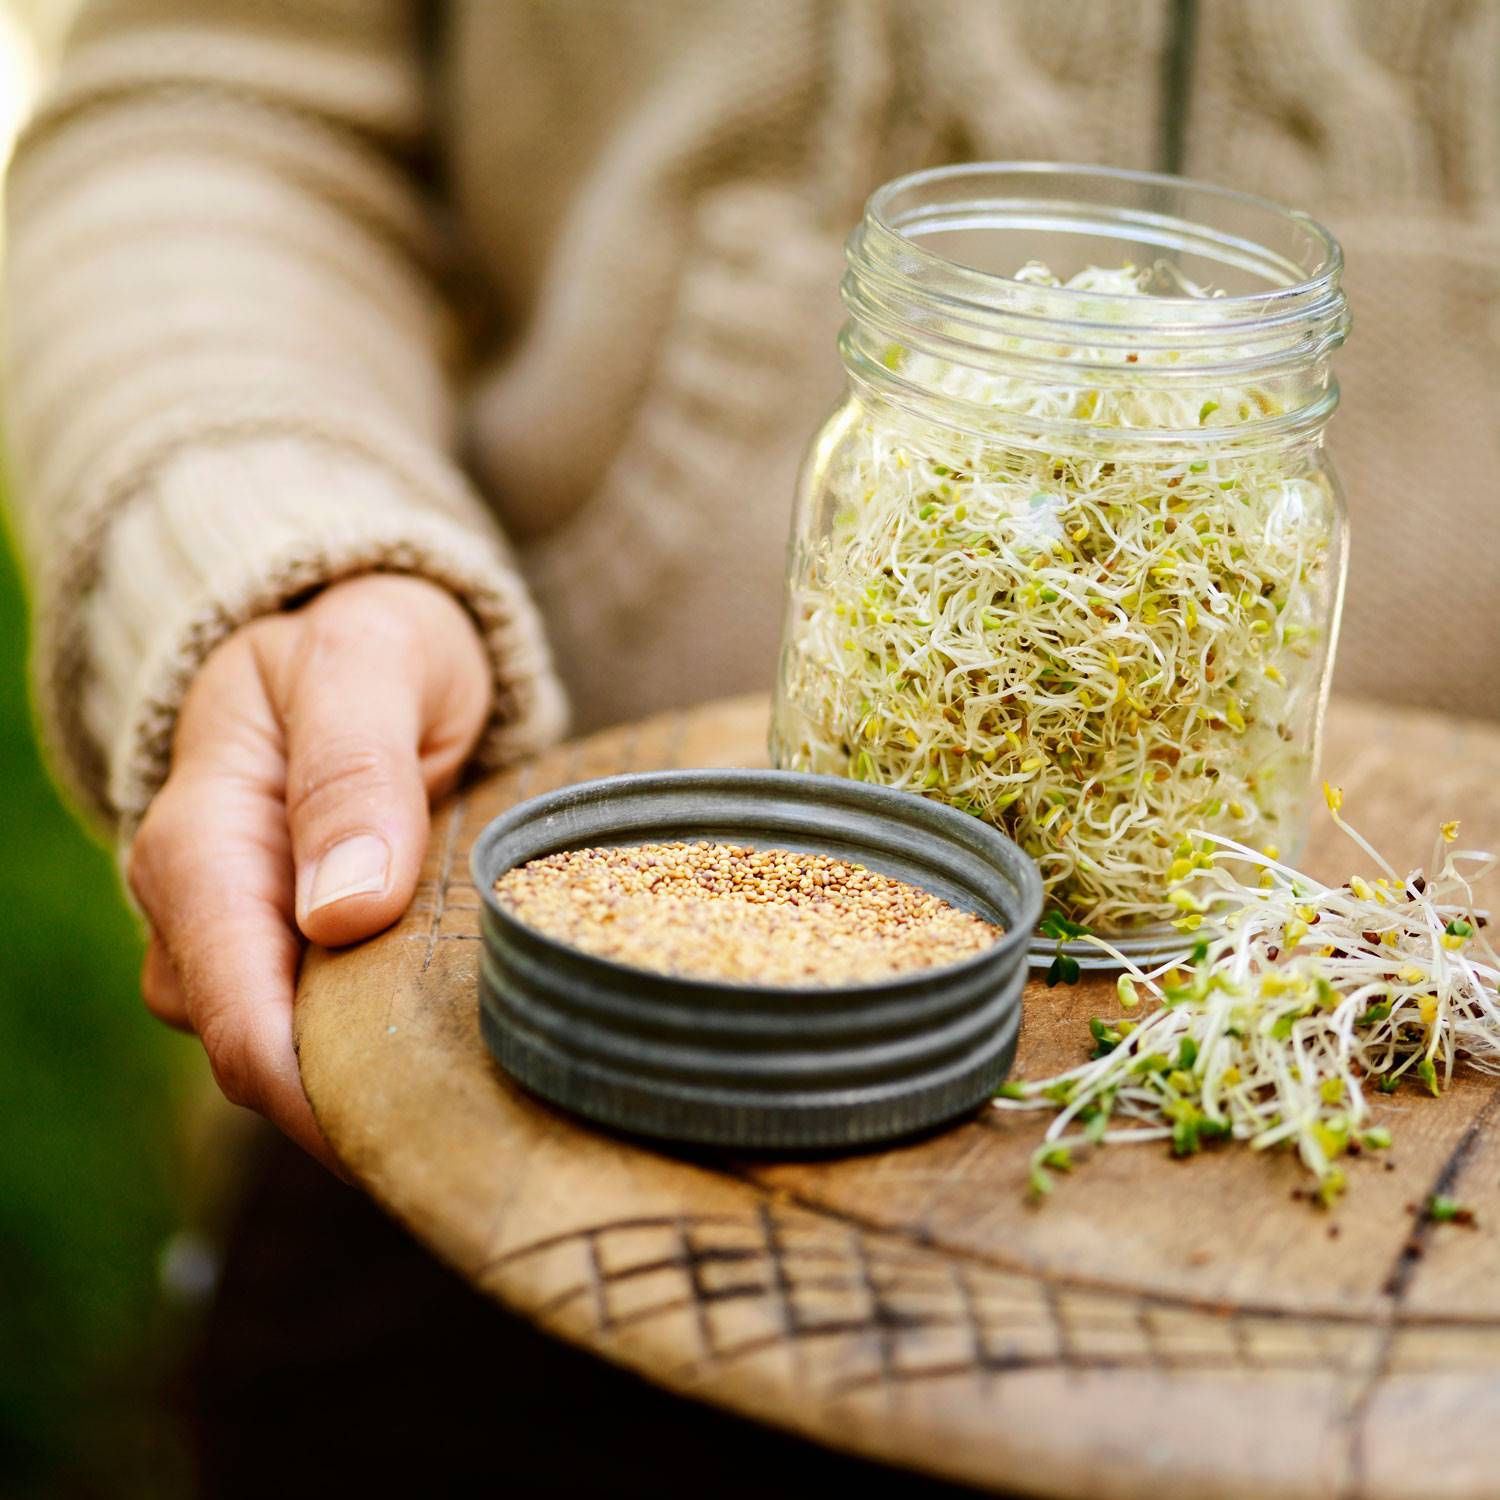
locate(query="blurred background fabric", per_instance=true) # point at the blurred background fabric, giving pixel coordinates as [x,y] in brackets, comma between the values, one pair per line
[1379,117]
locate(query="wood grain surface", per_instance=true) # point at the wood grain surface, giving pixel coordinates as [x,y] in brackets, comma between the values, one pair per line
[1157,1329]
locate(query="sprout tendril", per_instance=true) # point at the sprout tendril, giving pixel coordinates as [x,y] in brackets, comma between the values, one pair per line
[1307,998]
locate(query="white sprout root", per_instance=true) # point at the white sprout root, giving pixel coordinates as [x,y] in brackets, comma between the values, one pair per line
[1093,653]
[1278,1029]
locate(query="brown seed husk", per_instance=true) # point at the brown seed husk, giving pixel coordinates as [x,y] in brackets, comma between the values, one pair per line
[742,915]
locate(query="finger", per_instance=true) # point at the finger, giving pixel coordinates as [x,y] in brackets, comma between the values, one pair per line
[211,865]
[162,989]
[213,870]
[365,706]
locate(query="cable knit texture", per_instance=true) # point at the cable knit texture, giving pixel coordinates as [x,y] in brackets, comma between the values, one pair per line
[304,287]
[1383,121]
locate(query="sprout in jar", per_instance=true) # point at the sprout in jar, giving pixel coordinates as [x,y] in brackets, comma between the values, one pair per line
[1095,651]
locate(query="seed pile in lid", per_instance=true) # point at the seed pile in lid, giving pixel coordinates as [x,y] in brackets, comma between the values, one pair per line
[742,915]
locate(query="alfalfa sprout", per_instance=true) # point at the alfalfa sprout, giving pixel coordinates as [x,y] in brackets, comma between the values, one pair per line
[1308,1000]
[1093,651]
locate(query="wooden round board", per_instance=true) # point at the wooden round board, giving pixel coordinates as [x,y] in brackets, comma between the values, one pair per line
[1157,1329]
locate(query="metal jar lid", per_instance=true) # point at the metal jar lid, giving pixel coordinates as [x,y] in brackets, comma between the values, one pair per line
[713,1063]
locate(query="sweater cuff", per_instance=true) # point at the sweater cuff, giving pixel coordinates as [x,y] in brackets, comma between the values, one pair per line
[219,535]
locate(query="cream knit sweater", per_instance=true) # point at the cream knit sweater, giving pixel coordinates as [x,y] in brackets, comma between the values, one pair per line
[303,287]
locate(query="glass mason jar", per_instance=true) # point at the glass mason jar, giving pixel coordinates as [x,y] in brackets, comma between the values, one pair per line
[1070,554]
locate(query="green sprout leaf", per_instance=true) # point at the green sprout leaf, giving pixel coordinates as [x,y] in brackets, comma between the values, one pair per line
[1106,1037]
[1441,1209]
[1046,1159]
[1056,925]
[1063,970]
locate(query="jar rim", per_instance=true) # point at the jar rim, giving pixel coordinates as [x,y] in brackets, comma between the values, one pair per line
[884,214]
[907,296]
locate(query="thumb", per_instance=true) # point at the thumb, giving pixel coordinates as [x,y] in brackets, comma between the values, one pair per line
[368,678]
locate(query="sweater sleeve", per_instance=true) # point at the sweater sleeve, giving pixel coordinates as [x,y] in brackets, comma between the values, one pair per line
[227,365]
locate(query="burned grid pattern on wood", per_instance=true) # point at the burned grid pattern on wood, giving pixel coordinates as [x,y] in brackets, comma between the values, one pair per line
[866,1309]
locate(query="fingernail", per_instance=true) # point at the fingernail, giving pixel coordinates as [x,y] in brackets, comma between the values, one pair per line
[356,867]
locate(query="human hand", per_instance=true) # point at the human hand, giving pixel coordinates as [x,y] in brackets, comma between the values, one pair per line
[304,757]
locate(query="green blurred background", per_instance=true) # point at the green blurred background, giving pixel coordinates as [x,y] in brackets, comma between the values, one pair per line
[95,1266]
[90,1089]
